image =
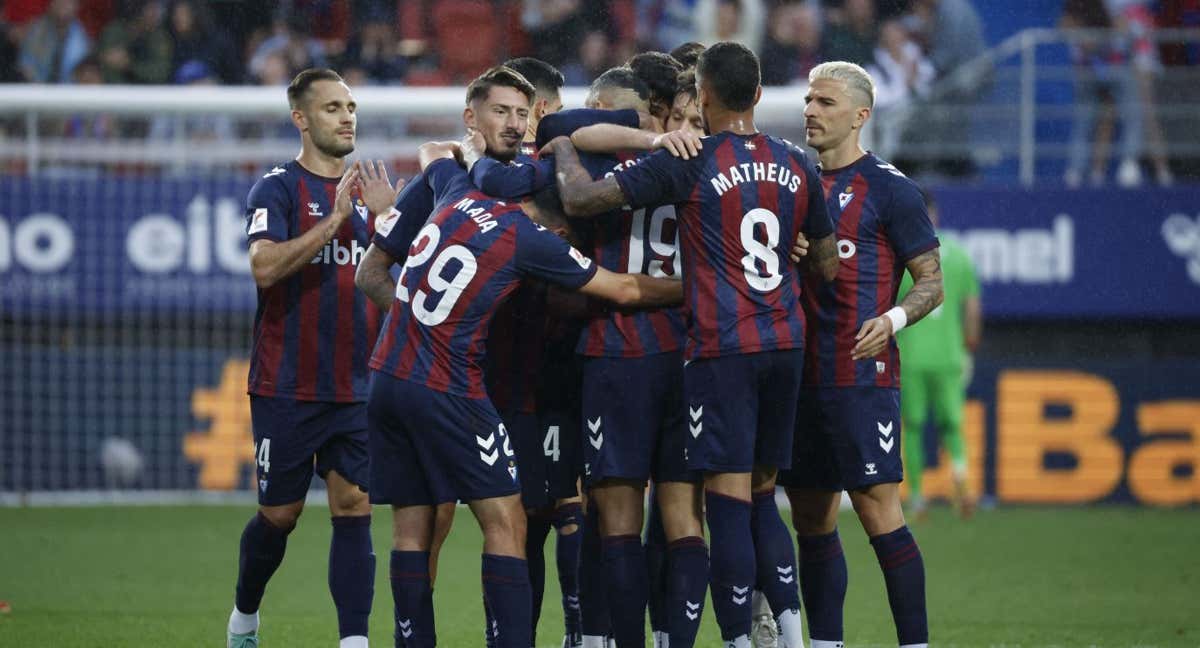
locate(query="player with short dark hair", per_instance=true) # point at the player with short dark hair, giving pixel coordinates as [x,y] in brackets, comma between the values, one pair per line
[434,434]
[659,71]
[847,435]
[308,366]
[688,53]
[547,81]
[740,204]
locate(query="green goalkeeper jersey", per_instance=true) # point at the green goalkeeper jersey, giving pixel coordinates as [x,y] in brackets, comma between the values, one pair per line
[936,342]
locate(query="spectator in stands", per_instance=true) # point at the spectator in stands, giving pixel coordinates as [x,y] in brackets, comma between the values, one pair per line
[1104,88]
[741,21]
[902,75]
[136,49]
[595,56]
[54,44]
[665,24]
[555,28]
[190,26]
[375,48]
[290,41]
[193,128]
[1136,22]
[88,126]
[793,45]
[952,35]
[10,72]
[850,32]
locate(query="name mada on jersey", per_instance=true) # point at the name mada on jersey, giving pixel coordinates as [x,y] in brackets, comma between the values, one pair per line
[755,172]
[481,217]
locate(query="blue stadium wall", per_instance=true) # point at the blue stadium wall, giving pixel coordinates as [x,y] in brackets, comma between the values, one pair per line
[166,253]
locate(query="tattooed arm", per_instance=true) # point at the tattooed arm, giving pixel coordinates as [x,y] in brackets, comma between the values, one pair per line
[925,295]
[581,196]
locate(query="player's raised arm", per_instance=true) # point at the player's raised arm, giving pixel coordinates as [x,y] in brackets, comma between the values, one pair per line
[271,261]
[581,195]
[431,152]
[634,289]
[610,138]
[373,276]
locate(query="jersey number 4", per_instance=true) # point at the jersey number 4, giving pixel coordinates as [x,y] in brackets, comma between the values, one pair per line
[766,278]
[451,288]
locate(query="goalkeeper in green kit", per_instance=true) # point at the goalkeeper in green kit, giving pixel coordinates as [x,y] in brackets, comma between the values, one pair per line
[935,365]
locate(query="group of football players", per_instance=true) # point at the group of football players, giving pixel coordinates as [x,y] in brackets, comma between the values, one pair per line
[646,291]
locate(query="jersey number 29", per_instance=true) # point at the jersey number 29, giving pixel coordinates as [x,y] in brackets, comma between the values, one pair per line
[451,287]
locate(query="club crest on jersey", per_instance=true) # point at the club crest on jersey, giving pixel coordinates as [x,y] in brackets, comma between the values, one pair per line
[845,197]
[512,471]
[258,222]
[361,208]
[314,209]
[749,145]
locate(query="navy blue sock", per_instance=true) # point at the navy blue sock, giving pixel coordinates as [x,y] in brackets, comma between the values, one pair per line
[656,567]
[412,599]
[625,566]
[537,527]
[506,590]
[775,555]
[489,626]
[567,556]
[687,578]
[904,573]
[732,562]
[261,552]
[352,573]
[593,585]
[823,579]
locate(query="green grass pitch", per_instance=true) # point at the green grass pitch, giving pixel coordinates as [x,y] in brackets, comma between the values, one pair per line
[164,576]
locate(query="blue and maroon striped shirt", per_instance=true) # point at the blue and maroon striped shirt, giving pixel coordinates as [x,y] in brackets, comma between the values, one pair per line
[313,330]
[881,225]
[464,263]
[740,205]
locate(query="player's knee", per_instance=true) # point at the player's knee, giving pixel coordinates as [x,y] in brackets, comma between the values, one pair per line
[567,518]
[814,514]
[283,517]
[763,478]
[349,502]
[878,508]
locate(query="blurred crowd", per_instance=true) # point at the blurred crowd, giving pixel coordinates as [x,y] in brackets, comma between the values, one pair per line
[427,42]
[909,46]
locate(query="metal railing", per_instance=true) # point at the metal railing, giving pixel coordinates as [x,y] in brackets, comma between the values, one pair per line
[1008,115]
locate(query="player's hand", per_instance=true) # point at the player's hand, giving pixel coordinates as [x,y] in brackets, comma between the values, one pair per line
[351,179]
[472,147]
[548,149]
[681,143]
[799,248]
[377,190]
[872,338]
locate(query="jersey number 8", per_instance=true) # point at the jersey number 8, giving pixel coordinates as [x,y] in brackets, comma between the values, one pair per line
[451,288]
[759,252]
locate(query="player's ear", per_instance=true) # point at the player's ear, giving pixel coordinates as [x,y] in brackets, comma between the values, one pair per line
[757,95]
[300,121]
[469,117]
[861,116]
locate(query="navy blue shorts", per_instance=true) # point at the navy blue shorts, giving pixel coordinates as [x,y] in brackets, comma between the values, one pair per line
[547,457]
[291,437]
[741,410]
[847,438]
[429,447]
[633,419]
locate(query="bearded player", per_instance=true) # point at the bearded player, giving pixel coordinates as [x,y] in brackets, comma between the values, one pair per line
[848,426]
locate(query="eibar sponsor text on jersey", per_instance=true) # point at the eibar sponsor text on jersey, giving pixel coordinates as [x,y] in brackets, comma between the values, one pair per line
[336,253]
[755,172]
[482,217]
